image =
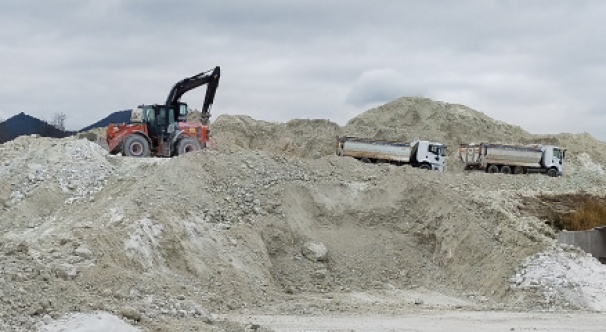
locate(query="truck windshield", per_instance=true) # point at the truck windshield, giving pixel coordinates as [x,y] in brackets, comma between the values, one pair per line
[438,150]
[558,153]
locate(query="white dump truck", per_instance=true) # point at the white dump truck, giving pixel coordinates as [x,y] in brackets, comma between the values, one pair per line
[513,159]
[422,154]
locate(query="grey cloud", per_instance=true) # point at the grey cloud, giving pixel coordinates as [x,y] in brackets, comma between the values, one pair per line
[282,60]
[379,86]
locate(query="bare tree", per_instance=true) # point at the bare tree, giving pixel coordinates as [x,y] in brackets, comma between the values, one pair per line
[58,121]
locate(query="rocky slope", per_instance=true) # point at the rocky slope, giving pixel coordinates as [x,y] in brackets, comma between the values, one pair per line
[273,222]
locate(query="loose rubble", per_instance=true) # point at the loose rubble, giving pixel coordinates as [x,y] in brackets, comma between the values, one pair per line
[273,222]
[563,277]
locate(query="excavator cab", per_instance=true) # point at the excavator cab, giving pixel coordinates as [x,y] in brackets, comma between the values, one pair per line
[158,119]
[165,116]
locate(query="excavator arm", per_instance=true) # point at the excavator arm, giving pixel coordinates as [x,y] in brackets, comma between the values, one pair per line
[210,77]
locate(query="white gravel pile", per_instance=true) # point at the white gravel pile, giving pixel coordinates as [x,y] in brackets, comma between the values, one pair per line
[76,169]
[96,322]
[564,277]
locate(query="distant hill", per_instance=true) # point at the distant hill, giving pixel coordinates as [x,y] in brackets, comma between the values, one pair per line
[116,117]
[23,124]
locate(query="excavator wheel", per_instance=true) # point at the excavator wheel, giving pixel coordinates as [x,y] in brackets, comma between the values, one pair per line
[187,144]
[136,146]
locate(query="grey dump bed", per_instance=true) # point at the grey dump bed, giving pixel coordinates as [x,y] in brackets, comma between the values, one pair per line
[374,149]
[516,155]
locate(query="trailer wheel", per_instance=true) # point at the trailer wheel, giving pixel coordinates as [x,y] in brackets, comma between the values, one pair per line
[365,160]
[136,146]
[492,169]
[505,169]
[425,166]
[187,144]
[553,172]
[518,170]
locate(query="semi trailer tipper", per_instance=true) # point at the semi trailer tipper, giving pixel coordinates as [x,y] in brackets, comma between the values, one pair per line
[513,159]
[422,154]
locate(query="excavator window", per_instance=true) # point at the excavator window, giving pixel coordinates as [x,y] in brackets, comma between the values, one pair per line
[171,116]
[149,115]
[182,112]
[166,116]
[162,118]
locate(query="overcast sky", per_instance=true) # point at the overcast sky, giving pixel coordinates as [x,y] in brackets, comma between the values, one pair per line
[537,64]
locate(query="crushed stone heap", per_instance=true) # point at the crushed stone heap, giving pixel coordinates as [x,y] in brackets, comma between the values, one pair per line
[273,222]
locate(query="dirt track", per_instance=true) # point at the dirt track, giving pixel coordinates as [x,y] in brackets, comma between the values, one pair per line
[454,321]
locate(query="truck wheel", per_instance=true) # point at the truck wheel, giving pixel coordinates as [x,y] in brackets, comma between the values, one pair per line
[518,170]
[505,169]
[365,160]
[492,169]
[553,172]
[186,145]
[136,146]
[425,166]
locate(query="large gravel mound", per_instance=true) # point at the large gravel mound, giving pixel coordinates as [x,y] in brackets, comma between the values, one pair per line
[422,118]
[273,222]
[299,138]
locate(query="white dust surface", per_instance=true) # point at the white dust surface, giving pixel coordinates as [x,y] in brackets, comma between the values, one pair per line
[97,322]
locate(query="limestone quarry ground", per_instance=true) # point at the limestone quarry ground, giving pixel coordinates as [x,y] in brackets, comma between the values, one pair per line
[272,224]
[455,321]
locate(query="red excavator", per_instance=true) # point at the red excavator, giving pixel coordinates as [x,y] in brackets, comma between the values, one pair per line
[163,130]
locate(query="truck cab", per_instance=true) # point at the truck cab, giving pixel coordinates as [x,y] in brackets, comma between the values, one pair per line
[553,159]
[430,153]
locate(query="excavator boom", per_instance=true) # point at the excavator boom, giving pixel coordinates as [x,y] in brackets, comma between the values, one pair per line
[210,77]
